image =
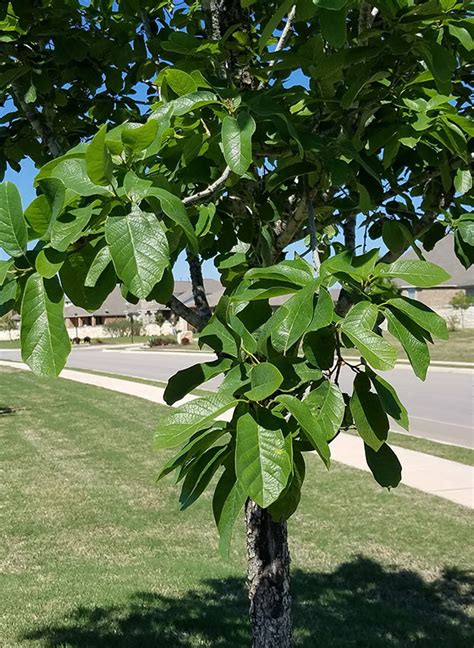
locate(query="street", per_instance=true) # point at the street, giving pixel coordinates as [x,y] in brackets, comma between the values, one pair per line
[441,408]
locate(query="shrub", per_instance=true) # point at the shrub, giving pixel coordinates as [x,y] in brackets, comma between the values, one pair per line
[87,340]
[161,340]
[122,328]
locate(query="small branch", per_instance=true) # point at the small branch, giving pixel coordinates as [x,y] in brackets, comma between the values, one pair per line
[191,316]
[313,241]
[286,32]
[212,188]
[283,39]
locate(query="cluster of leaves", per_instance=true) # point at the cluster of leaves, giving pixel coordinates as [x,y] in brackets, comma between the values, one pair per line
[280,381]
[234,166]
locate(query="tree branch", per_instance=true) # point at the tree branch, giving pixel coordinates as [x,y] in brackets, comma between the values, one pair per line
[313,241]
[36,122]
[212,188]
[199,291]
[191,316]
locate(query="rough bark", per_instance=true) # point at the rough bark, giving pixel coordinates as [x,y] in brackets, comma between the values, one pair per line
[199,290]
[268,579]
[38,125]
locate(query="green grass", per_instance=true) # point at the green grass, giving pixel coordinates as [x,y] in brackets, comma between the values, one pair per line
[95,554]
[9,344]
[435,448]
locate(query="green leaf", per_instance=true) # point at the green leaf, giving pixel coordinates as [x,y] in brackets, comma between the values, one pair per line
[187,103]
[45,343]
[5,266]
[289,500]
[323,312]
[262,462]
[463,36]
[199,473]
[368,414]
[422,315]
[359,267]
[358,326]
[48,262]
[69,227]
[183,382]
[237,141]
[333,26]
[422,274]
[265,379]
[38,214]
[296,271]
[180,82]
[410,336]
[292,319]
[73,278]
[327,404]
[393,236]
[98,159]
[73,173]
[229,499]
[13,233]
[384,465]
[181,423]
[304,415]
[466,230]
[55,192]
[139,250]
[8,292]
[332,5]
[174,209]
[319,348]
[138,137]
[101,261]
[390,401]
[462,181]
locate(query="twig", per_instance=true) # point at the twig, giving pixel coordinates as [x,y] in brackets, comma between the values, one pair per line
[212,188]
[283,38]
[313,241]
[285,33]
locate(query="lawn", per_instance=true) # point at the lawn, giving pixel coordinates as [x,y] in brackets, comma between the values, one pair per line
[95,554]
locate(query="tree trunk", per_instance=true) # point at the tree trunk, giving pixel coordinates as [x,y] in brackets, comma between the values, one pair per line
[268,579]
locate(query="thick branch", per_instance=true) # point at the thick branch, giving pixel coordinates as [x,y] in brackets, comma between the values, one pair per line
[36,122]
[211,189]
[199,291]
[191,316]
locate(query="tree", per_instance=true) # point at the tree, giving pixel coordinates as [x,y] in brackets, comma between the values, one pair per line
[274,123]
[7,323]
[461,302]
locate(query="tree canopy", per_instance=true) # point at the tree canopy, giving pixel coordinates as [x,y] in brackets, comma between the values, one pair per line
[342,125]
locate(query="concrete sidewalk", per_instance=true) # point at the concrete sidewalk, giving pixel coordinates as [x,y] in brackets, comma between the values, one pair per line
[448,479]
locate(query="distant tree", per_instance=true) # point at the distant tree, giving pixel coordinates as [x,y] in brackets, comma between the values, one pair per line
[461,302]
[331,124]
[7,323]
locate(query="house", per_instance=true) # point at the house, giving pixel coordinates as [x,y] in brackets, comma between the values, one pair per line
[439,297]
[81,322]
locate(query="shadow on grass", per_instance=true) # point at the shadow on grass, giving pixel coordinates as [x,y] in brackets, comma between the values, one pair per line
[360,604]
[5,410]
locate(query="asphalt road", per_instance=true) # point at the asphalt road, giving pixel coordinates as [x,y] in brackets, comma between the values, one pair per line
[441,408]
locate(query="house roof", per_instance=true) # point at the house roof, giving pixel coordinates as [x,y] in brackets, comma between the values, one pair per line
[443,255]
[116,305]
